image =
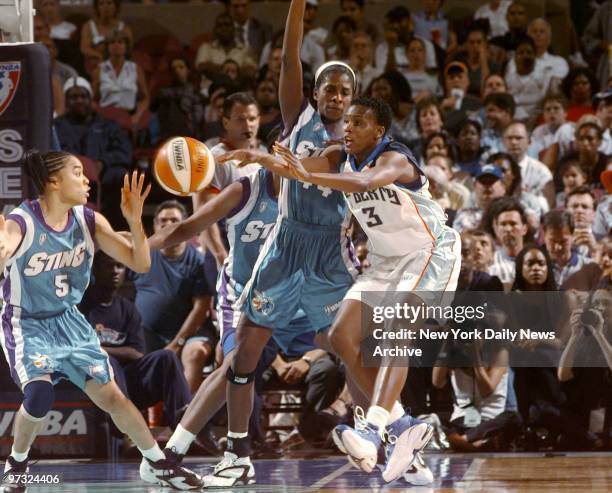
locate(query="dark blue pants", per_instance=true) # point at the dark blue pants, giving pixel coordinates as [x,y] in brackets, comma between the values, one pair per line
[157,376]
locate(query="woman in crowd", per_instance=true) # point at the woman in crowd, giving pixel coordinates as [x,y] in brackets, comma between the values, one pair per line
[579,86]
[469,151]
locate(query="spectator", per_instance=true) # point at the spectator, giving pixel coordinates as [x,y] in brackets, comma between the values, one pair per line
[312,52]
[95,31]
[488,186]
[231,69]
[180,106]
[536,177]
[458,104]
[494,83]
[482,251]
[495,11]
[589,136]
[249,32]
[543,136]
[272,68]
[119,82]
[527,79]
[354,10]
[437,143]
[477,60]
[602,102]
[392,88]
[559,240]
[173,299]
[572,176]
[429,119]
[342,32]
[451,194]
[362,62]
[41,29]
[430,23]
[540,31]
[213,112]
[580,203]
[145,378]
[469,150]
[399,29]
[602,224]
[499,111]
[422,84]
[210,56]
[50,12]
[579,86]
[266,95]
[83,131]
[597,38]
[510,226]
[516,17]
[60,70]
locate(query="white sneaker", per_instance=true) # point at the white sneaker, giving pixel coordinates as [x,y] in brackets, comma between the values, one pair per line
[418,473]
[167,472]
[231,471]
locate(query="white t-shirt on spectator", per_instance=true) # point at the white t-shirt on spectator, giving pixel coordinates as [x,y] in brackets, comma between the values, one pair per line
[497,18]
[527,90]
[467,394]
[557,66]
[602,223]
[503,266]
[542,138]
[311,53]
[63,30]
[401,61]
[420,81]
[534,174]
[228,173]
[565,137]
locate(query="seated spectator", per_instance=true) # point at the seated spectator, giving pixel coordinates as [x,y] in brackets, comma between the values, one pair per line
[266,95]
[119,82]
[511,229]
[354,10]
[596,39]
[488,186]
[180,106]
[540,31]
[495,11]
[559,240]
[173,299]
[83,131]
[394,90]
[469,149]
[422,84]
[213,111]
[271,70]
[572,176]
[602,103]
[602,224]
[231,69]
[60,70]
[470,277]
[450,193]
[482,251]
[517,19]
[457,104]
[145,378]
[312,51]
[494,83]
[430,23]
[580,203]
[210,56]
[437,143]
[429,119]
[50,12]
[535,206]
[535,175]
[477,59]
[543,136]
[579,86]
[589,135]
[249,32]
[95,31]
[527,80]
[361,61]
[399,29]
[342,32]
[585,366]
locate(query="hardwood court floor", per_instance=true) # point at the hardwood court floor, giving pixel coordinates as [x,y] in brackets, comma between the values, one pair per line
[500,473]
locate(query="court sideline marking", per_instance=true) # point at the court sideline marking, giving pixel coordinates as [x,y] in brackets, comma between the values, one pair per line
[329,478]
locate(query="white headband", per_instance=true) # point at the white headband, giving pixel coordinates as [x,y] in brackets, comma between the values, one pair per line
[338,63]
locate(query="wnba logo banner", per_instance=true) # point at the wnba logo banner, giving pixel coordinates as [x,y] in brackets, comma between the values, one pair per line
[9,80]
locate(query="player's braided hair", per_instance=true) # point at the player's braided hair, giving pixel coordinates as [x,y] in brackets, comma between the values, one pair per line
[39,166]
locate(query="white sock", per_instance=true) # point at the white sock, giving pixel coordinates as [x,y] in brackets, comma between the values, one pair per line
[231,434]
[397,411]
[378,416]
[153,454]
[181,440]
[19,457]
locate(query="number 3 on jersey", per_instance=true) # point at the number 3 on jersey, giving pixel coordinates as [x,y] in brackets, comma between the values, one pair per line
[61,285]
[373,218]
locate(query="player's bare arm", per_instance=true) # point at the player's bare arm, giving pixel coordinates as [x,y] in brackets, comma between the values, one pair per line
[207,214]
[134,254]
[10,237]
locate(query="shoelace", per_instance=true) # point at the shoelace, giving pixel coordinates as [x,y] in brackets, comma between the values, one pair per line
[361,424]
[225,462]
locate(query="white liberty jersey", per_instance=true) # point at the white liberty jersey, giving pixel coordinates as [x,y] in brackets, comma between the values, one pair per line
[397,218]
[50,270]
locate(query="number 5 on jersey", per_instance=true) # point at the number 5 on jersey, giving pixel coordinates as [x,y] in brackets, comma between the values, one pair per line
[62,287]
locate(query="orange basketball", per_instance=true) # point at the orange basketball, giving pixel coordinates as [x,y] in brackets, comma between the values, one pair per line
[183,166]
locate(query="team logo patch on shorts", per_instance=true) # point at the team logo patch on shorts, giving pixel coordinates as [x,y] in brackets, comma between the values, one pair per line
[94,370]
[262,303]
[42,362]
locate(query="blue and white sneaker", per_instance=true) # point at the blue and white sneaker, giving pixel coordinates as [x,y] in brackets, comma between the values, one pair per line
[418,473]
[404,438]
[361,443]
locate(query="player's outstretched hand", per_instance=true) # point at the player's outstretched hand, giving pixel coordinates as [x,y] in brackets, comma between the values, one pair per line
[242,156]
[132,197]
[295,165]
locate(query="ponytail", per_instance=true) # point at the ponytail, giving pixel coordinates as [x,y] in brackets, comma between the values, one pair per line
[39,166]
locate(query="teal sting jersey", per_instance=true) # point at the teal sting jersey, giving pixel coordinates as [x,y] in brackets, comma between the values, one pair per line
[50,270]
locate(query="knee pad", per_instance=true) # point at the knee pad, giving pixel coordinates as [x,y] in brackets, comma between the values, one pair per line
[237,379]
[38,398]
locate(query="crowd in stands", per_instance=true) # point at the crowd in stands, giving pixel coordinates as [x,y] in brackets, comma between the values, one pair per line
[514,139]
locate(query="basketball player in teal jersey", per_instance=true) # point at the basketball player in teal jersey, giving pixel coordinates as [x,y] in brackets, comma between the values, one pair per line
[46,253]
[411,250]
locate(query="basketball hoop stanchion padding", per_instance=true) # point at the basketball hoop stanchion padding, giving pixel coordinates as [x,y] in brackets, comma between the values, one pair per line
[26,115]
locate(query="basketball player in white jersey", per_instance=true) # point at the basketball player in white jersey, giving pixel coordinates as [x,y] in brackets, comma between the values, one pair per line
[411,250]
